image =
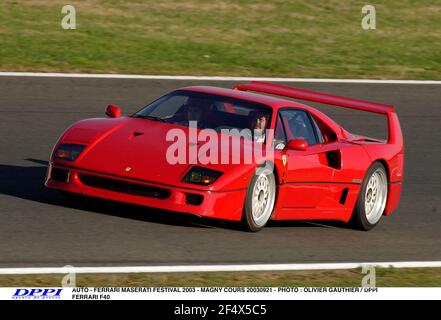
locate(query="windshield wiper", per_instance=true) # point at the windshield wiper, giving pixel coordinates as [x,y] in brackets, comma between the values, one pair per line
[148,117]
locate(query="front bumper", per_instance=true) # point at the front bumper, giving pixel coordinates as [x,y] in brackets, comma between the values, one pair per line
[215,204]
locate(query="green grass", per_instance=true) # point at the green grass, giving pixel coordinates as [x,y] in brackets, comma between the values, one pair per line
[301,38]
[427,277]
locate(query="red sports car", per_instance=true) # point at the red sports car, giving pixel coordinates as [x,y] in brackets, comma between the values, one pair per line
[187,152]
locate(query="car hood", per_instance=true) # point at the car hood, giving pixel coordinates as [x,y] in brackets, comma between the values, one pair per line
[138,149]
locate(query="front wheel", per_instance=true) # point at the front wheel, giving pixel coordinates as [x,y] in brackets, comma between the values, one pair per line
[260,199]
[372,198]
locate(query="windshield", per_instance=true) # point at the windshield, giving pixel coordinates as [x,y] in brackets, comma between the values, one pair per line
[207,111]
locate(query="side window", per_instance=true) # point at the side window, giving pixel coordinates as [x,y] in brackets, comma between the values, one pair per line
[279,135]
[318,131]
[326,133]
[298,125]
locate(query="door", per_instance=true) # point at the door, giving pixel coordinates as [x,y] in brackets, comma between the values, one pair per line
[308,174]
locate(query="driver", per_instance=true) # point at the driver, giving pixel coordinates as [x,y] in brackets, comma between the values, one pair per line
[258,126]
[195,110]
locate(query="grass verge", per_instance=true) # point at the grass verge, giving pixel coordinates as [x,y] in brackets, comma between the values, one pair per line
[390,277]
[300,38]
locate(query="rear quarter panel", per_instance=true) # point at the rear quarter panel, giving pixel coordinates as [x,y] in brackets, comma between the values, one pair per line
[392,156]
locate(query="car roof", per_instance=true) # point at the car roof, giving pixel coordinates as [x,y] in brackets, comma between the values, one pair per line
[270,101]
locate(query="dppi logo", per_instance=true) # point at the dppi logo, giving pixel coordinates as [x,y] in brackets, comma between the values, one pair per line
[37,294]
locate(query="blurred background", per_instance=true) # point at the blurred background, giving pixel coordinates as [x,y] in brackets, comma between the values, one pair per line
[302,38]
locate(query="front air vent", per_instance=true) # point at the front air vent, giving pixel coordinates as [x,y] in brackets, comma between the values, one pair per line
[193,199]
[60,175]
[124,186]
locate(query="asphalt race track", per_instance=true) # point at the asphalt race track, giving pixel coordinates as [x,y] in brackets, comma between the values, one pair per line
[38,228]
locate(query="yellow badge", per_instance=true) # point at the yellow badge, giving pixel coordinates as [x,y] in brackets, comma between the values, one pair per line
[284,160]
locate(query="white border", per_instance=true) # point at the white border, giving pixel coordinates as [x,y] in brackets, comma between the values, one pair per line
[207,78]
[220,268]
[181,295]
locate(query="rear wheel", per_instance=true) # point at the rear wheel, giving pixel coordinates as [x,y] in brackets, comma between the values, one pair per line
[260,199]
[372,198]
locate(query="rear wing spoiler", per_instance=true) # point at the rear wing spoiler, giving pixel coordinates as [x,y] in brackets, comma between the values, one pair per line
[394,130]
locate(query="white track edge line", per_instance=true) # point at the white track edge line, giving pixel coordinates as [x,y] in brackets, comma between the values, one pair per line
[208,78]
[219,268]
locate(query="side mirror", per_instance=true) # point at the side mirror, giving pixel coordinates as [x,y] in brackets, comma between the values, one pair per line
[297,144]
[113,111]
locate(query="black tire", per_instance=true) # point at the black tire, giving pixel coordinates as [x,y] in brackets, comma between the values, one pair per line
[248,221]
[359,218]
